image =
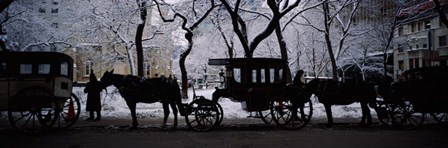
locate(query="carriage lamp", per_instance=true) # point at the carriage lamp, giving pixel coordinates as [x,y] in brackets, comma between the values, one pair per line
[222,78]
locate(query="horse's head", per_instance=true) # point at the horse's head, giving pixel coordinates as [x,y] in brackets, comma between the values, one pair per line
[107,78]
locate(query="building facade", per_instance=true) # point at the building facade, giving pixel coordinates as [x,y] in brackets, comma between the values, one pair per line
[421,39]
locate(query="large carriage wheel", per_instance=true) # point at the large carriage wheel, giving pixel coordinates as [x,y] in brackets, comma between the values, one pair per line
[412,118]
[440,117]
[69,113]
[203,113]
[283,114]
[220,113]
[34,118]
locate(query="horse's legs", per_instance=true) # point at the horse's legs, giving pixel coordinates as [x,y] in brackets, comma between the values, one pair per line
[366,114]
[329,114]
[175,111]
[132,106]
[166,113]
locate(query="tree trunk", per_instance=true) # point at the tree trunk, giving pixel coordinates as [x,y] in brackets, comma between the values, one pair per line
[138,38]
[281,43]
[5,4]
[328,42]
[183,70]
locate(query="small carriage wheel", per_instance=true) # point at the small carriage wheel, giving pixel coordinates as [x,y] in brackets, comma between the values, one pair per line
[33,119]
[440,117]
[204,114]
[385,113]
[412,118]
[69,113]
[266,116]
[282,113]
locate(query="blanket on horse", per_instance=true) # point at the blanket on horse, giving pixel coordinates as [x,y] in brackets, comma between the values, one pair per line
[146,90]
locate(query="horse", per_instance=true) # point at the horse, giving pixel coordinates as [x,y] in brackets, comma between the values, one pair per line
[136,90]
[330,92]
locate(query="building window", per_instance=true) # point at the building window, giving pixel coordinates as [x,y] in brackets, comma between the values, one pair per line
[417,63]
[425,45]
[411,63]
[400,49]
[400,31]
[427,24]
[55,3]
[41,10]
[54,25]
[419,26]
[413,27]
[54,10]
[400,65]
[89,65]
[442,41]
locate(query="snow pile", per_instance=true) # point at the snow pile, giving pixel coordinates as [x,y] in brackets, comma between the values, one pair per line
[115,106]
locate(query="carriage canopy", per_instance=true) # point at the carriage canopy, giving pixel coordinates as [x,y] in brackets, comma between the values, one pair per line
[34,78]
[256,81]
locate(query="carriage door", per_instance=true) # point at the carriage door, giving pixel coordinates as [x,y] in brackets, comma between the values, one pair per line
[4,86]
[258,100]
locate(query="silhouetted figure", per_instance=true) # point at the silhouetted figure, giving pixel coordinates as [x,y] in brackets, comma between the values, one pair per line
[93,90]
[298,81]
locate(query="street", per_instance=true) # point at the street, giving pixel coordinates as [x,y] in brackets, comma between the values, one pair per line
[233,133]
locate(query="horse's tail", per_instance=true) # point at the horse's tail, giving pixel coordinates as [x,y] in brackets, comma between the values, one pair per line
[177,96]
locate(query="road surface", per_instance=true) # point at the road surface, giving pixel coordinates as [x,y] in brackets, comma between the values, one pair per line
[234,133]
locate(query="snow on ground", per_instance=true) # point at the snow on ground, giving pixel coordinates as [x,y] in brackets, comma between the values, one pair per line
[115,106]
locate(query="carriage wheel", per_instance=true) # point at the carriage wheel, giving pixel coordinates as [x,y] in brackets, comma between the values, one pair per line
[385,114]
[412,118]
[266,116]
[220,113]
[203,113]
[34,118]
[69,113]
[282,113]
[440,117]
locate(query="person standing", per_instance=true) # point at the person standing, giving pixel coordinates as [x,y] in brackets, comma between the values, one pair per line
[93,90]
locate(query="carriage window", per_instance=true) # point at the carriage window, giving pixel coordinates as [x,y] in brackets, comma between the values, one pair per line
[2,68]
[280,74]
[44,69]
[262,76]
[254,76]
[237,74]
[64,68]
[26,68]
[271,75]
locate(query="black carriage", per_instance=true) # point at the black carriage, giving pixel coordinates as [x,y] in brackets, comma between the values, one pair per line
[423,91]
[260,85]
[36,90]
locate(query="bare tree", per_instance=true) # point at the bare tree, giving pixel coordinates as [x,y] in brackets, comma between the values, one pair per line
[188,36]
[139,35]
[240,27]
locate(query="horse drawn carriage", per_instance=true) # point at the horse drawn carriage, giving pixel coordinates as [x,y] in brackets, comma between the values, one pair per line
[423,91]
[260,84]
[36,90]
